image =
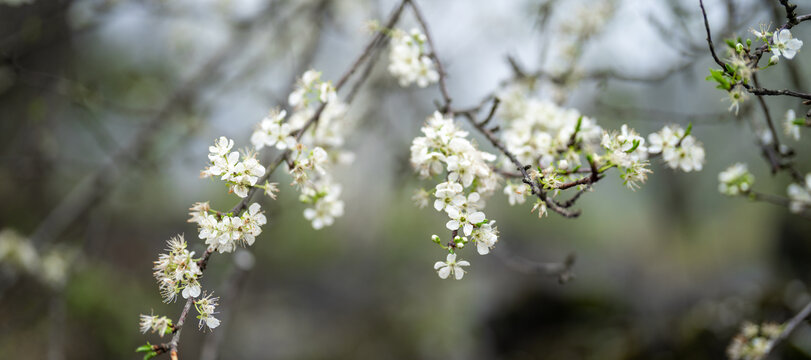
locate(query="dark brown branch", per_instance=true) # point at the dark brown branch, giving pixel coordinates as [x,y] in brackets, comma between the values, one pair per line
[788,328]
[443,88]
[569,203]
[791,12]
[775,165]
[179,324]
[775,200]
[242,205]
[492,112]
[709,37]
[230,289]
[783,92]
[560,270]
[93,187]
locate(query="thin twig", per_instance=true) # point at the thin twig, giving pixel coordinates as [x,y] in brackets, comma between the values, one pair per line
[560,270]
[443,88]
[789,328]
[709,37]
[242,205]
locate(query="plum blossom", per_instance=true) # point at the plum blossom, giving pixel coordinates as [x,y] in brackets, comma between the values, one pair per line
[158,324]
[451,267]
[679,151]
[800,195]
[408,61]
[464,219]
[274,131]
[239,175]
[735,180]
[176,271]
[789,127]
[784,44]
[206,309]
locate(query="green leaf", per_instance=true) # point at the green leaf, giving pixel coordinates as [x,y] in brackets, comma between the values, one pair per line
[636,145]
[689,129]
[798,121]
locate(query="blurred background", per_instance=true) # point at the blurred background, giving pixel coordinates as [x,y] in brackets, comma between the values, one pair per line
[107,109]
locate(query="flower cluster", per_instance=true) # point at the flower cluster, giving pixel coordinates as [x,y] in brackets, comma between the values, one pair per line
[240,175]
[309,88]
[626,149]
[678,148]
[177,271]
[515,192]
[445,149]
[540,132]
[555,141]
[319,149]
[158,324]
[18,253]
[753,341]
[408,61]
[223,232]
[588,19]
[800,195]
[205,309]
[274,131]
[317,188]
[735,180]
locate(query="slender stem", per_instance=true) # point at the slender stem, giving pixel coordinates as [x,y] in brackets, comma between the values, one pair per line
[709,37]
[242,205]
[443,88]
[789,328]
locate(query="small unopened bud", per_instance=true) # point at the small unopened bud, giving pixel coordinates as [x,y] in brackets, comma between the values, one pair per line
[774,59]
[739,47]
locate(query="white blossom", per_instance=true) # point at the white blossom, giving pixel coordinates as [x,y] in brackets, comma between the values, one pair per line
[408,61]
[206,309]
[18,251]
[274,131]
[239,175]
[464,219]
[736,97]
[177,272]
[451,267]
[158,324]
[421,198]
[753,341]
[310,87]
[486,237]
[445,193]
[678,150]
[735,180]
[515,192]
[326,208]
[800,195]
[784,44]
[223,232]
[789,127]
